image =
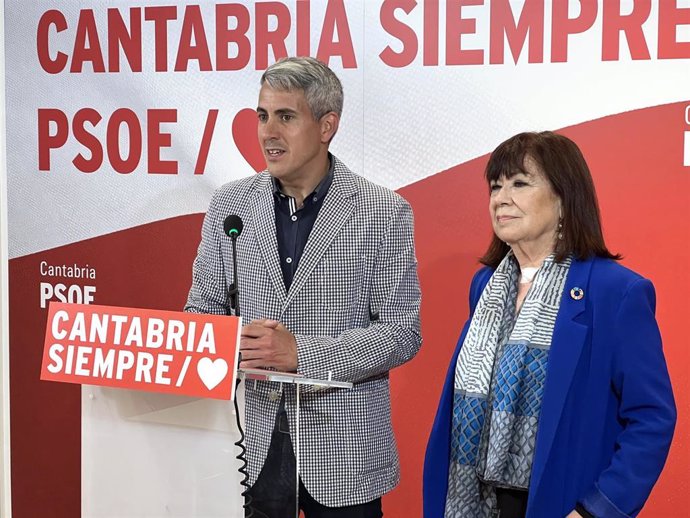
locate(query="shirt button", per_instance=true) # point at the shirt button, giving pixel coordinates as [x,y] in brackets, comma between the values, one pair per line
[294,218]
[288,260]
[315,198]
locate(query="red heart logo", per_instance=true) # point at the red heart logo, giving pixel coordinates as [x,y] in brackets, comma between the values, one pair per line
[244,130]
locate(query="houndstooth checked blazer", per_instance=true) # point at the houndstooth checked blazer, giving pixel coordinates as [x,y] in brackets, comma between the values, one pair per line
[353,307]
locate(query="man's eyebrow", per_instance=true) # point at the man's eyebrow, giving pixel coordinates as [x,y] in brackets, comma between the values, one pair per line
[285,111]
[279,111]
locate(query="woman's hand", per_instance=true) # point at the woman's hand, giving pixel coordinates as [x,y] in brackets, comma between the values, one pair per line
[574,514]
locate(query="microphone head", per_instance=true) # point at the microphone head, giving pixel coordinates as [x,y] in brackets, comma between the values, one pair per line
[232,226]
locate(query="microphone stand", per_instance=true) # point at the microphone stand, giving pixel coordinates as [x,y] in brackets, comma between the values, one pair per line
[234,290]
[234,296]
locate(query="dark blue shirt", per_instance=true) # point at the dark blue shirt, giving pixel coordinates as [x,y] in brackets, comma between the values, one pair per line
[294,224]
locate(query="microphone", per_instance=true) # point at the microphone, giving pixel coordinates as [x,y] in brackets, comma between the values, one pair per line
[232,227]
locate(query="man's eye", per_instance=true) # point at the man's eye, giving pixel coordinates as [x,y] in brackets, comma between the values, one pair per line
[286,118]
[262,117]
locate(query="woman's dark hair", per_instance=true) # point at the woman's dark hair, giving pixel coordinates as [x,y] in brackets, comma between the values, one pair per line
[562,163]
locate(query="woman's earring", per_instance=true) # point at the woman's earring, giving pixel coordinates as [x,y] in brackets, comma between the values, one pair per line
[560,229]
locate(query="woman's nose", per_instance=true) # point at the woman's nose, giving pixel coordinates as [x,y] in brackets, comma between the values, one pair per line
[501,196]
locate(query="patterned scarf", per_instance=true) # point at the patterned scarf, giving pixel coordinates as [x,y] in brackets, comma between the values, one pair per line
[499,384]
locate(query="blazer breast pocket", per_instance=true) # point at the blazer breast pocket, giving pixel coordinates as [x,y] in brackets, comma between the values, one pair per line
[342,281]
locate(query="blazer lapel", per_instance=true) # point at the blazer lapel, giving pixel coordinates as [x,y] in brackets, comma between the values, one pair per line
[262,207]
[333,215]
[566,347]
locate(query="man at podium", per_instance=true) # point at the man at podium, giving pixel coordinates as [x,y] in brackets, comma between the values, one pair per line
[328,289]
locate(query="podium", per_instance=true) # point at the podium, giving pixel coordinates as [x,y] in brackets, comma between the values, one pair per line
[298,380]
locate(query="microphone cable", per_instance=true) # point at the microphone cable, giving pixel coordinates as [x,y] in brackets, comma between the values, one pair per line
[241,456]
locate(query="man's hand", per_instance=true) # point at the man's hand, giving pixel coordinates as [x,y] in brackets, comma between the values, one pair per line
[574,514]
[268,343]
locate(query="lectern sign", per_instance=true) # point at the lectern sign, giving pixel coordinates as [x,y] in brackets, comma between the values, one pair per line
[142,349]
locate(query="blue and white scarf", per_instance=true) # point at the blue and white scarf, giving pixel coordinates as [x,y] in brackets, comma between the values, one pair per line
[499,384]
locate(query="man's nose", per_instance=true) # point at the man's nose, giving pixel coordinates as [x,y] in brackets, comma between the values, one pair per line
[267,129]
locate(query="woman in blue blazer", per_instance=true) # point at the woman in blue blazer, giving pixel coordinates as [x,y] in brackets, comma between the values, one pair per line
[557,402]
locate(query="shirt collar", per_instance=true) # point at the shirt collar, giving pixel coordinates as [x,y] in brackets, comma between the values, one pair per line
[319,191]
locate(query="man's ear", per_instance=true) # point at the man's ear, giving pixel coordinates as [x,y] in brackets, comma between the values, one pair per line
[329,126]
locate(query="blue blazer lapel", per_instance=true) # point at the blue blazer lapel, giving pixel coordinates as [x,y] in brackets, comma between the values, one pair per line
[333,215]
[262,207]
[566,347]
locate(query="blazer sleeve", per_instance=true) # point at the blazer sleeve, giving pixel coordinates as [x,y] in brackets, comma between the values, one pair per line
[206,294]
[393,337]
[647,409]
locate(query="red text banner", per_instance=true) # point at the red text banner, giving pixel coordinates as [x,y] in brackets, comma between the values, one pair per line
[142,349]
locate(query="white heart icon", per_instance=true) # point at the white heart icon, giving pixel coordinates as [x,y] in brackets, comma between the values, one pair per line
[211,372]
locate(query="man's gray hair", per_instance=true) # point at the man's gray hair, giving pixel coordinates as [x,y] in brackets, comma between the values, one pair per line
[322,88]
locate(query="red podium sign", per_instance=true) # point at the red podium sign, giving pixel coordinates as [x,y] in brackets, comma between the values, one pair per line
[160,351]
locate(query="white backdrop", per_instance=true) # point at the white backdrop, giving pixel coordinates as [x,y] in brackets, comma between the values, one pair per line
[461,112]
